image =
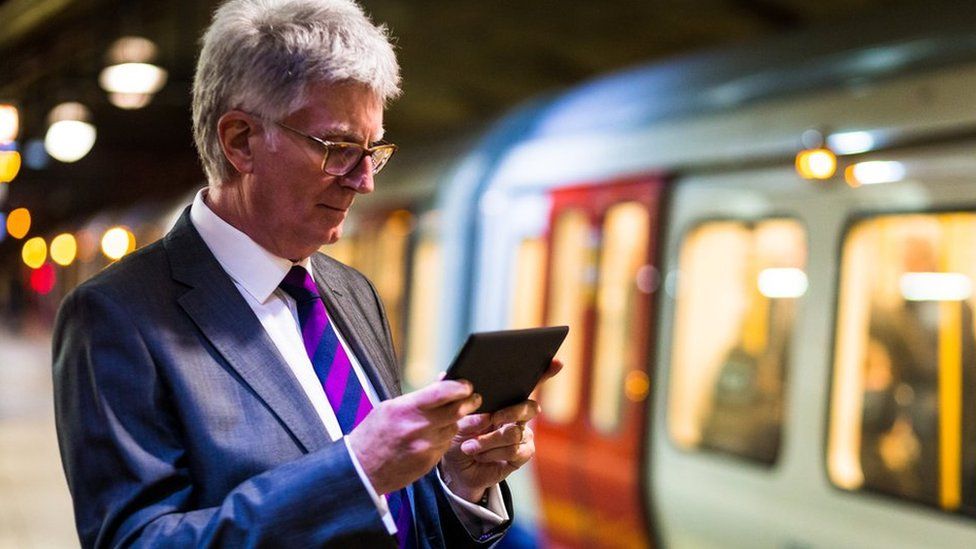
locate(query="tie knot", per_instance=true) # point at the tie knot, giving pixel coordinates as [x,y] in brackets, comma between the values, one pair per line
[299,285]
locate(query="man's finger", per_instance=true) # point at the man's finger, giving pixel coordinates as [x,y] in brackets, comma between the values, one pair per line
[523,411]
[511,434]
[552,370]
[474,424]
[440,393]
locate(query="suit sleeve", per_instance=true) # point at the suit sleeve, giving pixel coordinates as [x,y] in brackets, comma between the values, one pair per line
[126,468]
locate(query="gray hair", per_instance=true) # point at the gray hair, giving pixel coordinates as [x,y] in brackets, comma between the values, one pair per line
[261,55]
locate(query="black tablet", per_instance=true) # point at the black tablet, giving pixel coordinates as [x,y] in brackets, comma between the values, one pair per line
[505,366]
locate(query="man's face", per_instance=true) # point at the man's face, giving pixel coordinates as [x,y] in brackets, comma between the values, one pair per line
[293,205]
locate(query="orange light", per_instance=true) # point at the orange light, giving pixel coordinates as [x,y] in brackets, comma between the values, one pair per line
[18,223]
[816,163]
[9,165]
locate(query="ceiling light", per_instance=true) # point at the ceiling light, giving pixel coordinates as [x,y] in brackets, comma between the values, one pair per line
[850,142]
[816,163]
[874,172]
[131,79]
[70,136]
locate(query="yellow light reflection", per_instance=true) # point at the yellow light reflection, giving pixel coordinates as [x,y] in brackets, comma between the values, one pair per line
[34,252]
[64,248]
[117,242]
[18,223]
[9,165]
[816,163]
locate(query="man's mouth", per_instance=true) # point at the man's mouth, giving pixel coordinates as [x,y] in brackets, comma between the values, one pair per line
[335,209]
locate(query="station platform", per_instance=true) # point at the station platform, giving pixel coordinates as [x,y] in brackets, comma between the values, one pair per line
[35,507]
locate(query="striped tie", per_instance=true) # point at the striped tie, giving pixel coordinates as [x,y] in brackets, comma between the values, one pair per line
[341,384]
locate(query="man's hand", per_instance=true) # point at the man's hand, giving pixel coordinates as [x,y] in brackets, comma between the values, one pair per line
[489,447]
[403,438]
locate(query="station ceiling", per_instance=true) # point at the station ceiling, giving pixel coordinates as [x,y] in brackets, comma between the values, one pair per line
[463,63]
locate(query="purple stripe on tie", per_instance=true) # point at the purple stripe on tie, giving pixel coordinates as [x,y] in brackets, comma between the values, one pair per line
[403,518]
[339,372]
[365,407]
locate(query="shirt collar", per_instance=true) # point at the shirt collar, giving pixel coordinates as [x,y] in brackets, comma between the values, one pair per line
[252,267]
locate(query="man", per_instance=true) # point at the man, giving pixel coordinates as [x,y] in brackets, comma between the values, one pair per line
[228,385]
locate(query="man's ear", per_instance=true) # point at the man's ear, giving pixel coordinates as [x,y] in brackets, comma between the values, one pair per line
[234,130]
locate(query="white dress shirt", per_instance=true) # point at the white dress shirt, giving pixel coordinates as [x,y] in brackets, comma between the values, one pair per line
[257,273]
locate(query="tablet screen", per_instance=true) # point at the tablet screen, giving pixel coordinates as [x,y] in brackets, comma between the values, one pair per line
[505,366]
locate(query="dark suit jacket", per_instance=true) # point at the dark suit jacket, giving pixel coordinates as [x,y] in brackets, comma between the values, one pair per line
[180,424]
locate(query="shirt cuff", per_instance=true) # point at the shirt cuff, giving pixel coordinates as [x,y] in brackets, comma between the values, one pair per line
[378,500]
[477,520]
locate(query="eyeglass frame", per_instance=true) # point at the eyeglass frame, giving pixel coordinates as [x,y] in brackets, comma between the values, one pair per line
[329,145]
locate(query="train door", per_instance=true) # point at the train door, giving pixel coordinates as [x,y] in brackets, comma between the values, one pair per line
[601,274]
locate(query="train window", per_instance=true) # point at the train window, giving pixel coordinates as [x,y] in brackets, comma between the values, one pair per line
[420,367]
[738,288]
[903,401]
[624,253]
[529,284]
[570,284]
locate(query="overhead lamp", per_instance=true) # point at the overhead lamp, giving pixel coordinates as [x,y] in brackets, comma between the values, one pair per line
[854,142]
[782,283]
[818,163]
[874,172]
[131,79]
[9,123]
[70,135]
[815,161]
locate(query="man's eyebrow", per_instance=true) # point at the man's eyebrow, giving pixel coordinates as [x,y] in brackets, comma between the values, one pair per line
[342,132]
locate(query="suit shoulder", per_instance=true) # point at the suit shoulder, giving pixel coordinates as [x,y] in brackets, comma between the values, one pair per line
[144,268]
[335,266]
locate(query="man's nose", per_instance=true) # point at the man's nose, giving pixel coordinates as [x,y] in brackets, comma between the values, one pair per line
[360,179]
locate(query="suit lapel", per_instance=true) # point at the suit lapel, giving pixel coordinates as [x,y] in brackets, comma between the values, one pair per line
[221,313]
[344,308]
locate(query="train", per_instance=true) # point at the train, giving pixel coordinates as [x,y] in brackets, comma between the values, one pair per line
[766,256]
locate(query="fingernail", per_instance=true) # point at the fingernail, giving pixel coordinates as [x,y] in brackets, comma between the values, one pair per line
[477,400]
[469,447]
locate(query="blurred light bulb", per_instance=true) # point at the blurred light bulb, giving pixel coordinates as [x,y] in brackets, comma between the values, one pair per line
[64,248]
[18,223]
[816,163]
[134,78]
[9,123]
[117,242]
[34,252]
[70,136]
[9,165]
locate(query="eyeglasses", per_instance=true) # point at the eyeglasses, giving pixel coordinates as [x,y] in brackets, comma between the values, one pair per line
[342,157]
